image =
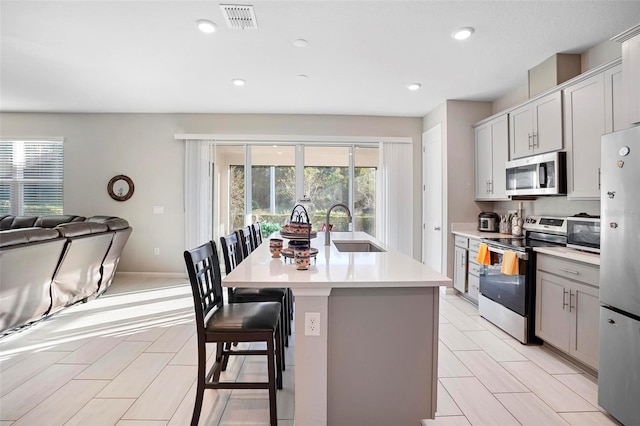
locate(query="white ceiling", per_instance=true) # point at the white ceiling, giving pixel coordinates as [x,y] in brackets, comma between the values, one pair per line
[148,56]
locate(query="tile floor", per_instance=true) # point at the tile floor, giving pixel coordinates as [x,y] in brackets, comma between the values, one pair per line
[129,358]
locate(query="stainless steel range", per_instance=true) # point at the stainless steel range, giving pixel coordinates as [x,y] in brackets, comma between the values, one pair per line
[506,300]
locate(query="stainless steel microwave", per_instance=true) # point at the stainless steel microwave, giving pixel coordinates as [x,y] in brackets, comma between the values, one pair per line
[583,233]
[543,174]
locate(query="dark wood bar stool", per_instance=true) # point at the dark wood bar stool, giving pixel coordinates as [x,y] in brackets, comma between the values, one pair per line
[232,254]
[222,324]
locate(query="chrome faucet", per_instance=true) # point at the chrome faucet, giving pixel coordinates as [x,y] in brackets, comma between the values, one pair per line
[327,232]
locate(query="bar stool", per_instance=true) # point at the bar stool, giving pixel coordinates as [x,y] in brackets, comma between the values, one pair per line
[232,254]
[223,324]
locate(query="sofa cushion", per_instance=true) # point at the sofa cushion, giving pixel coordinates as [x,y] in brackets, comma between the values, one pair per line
[15,237]
[75,229]
[53,221]
[5,222]
[114,223]
[16,222]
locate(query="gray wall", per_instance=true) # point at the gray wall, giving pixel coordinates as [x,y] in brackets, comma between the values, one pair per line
[142,146]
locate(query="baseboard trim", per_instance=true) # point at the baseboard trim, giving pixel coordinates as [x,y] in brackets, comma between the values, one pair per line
[152,274]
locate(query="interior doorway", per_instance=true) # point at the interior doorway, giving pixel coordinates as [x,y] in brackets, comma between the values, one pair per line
[433,241]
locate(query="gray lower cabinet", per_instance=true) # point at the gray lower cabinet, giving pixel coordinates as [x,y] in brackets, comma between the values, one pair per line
[473,273]
[466,273]
[567,307]
[460,268]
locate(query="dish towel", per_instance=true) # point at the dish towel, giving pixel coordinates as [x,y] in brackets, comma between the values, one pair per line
[484,257]
[509,263]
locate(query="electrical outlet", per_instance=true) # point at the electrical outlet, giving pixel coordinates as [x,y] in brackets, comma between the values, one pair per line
[312,323]
[156,251]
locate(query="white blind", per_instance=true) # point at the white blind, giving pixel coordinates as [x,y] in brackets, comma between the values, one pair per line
[395,192]
[31,177]
[198,192]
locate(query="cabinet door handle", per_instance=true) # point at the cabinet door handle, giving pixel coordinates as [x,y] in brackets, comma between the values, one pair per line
[462,259]
[530,141]
[564,298]
[536,142]
[437,228]
[599,174]
[490,187]
[570,271]
[570,300]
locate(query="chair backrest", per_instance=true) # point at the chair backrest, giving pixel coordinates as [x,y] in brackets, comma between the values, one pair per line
[231,251]
[257,233]
[246,241]
[206,281]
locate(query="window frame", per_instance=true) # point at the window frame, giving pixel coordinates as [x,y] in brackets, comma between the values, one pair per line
[17,162]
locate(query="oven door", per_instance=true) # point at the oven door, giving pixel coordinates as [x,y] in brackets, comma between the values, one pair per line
[507,290]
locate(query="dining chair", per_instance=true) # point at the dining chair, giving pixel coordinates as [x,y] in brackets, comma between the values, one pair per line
[231,252]
[246,241]
[256,231]
[222,324]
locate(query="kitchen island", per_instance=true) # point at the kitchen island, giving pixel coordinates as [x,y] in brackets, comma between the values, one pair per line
[375,360]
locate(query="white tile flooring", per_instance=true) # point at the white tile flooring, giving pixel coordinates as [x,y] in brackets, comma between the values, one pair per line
[129,358]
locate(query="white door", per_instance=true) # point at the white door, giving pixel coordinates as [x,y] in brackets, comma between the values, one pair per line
[432,200]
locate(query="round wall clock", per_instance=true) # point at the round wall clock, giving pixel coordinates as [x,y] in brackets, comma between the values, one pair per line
[120,188]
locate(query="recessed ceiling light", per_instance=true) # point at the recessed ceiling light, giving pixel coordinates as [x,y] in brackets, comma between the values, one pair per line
[463,33]
[300,42]
[414,86]
[302,76]
[206,26]
[238,82]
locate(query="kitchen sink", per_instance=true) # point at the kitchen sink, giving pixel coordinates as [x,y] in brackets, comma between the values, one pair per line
[356,246]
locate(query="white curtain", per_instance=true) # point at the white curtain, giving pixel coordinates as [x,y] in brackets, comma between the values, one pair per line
[395,195]
[198,192]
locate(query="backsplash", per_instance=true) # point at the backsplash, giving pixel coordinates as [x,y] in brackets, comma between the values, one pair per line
[552,206]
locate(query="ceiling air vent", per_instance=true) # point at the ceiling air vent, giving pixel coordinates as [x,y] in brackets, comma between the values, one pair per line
[239,16]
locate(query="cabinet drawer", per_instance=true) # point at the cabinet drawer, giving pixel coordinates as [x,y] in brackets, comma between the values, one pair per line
[583,272]
[462,241]
[474,267]
[474,245]
[474,287]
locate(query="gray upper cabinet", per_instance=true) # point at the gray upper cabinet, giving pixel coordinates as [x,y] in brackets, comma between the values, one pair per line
[491,153]
[631,71]
[592,107]
[536,127]
[616,114]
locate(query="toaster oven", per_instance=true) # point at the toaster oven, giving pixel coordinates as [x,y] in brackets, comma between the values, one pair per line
[583,233]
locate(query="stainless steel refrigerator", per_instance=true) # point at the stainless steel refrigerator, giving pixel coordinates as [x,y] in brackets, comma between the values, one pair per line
[619,357]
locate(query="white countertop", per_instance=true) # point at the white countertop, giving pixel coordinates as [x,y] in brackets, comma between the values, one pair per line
[571,254]
[470,230]
[334,269]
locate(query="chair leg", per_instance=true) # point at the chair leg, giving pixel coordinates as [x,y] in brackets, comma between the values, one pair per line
[225,355]
[283,320]
[202,371]
[280,361]
[219,361]
[290,294]
[273,415]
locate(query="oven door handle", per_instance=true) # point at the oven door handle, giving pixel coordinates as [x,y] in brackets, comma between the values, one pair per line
[519,255]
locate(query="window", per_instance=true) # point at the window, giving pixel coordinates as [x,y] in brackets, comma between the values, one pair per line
[31,177]
[279,177]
